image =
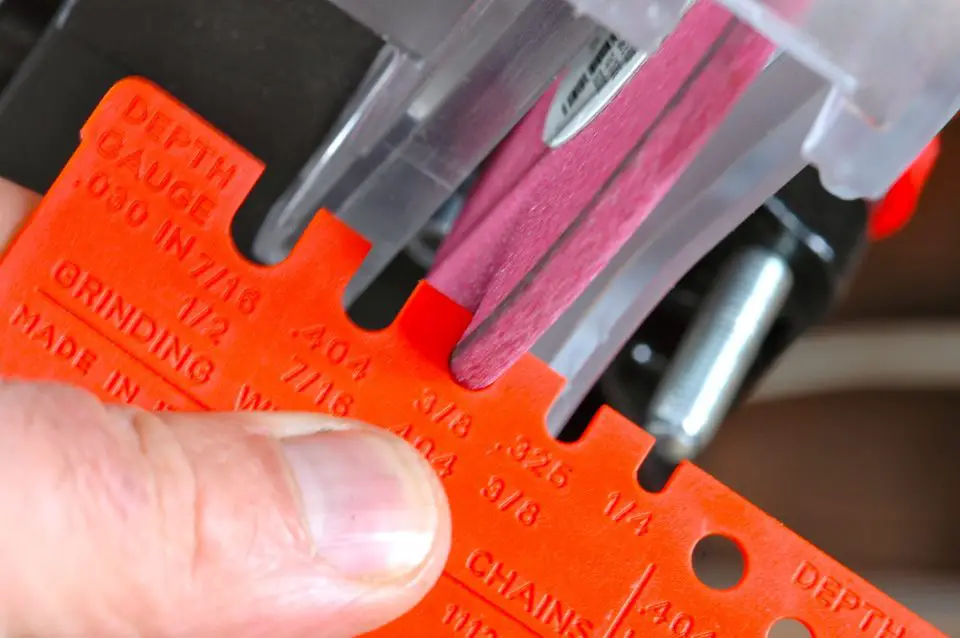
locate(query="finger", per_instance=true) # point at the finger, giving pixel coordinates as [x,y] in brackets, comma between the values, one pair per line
[118,522]
[15,203]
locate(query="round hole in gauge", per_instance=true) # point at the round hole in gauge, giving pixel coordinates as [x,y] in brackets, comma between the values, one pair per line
[719,562]
[789,628]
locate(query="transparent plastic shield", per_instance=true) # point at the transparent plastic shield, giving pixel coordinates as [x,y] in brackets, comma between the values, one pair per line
[894,66]
[427,114]
[861,89]
[753,154]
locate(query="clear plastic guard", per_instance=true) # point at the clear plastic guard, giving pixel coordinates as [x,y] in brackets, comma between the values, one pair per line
[877,80]
[894,66]
[752,155]
[455,75]
[453,78]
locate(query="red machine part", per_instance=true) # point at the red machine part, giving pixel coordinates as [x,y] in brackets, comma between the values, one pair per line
[891,214]
[125,281]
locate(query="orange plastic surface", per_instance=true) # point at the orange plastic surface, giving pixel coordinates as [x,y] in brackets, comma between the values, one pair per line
[125,281]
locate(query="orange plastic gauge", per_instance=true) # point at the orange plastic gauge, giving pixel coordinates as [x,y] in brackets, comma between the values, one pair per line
[125,281]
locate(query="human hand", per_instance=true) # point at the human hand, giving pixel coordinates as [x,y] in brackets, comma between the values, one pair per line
[119,522]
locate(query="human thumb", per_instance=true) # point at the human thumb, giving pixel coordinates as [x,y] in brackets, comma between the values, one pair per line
[118,522]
